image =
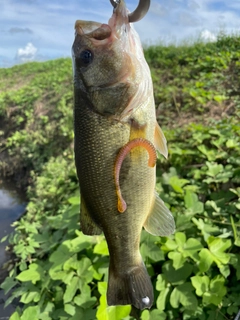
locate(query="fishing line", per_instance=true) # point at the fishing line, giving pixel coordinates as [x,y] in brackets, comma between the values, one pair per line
[237,316]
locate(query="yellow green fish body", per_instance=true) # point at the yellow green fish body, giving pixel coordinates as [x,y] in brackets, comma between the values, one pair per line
[114,104]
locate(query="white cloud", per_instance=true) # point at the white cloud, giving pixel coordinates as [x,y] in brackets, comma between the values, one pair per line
[208,36]
[193,5]
[26,54]
[19,30]
[187,19]
[158,9]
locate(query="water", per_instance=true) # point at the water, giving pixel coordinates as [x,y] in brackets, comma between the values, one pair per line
[12,206]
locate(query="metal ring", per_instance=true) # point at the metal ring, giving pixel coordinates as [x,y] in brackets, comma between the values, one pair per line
[138,13]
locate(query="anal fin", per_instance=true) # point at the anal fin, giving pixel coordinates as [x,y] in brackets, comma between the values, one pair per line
[160,141]
[160,221]
[88,226]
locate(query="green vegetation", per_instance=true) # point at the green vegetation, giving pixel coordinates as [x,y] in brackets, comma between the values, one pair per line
[59,273]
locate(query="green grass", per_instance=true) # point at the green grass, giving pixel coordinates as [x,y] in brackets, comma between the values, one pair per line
[35,114]
[61,274]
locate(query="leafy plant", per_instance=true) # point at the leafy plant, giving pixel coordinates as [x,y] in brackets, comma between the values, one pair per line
[59,273]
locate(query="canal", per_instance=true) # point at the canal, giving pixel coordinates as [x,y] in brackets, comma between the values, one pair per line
[12,206]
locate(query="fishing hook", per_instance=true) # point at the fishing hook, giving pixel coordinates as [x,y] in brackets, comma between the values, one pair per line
[237,316]
[138,13]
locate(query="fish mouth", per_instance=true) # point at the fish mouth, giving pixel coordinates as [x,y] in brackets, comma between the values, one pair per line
[117,25]
[93,30]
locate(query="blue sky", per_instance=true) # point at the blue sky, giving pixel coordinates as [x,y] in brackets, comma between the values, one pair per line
[41,30]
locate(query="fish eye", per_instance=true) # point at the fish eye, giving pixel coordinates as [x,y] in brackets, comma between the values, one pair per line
[85,57]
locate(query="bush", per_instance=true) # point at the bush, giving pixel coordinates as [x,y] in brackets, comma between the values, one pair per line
[59,273]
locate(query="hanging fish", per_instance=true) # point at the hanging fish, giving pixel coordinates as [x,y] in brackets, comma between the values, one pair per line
[116,138]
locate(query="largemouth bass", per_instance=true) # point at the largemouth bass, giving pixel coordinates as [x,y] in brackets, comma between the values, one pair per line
[116,137]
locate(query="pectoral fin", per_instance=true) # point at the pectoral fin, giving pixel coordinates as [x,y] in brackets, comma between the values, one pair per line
[160,221]
[88,226]
[160,141]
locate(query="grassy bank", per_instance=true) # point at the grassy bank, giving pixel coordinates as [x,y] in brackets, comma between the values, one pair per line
[61,274]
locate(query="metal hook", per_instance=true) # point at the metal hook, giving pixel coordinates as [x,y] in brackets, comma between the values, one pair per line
[138,13]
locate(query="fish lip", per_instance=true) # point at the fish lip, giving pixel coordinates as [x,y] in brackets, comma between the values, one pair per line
[83,27]
[119,19]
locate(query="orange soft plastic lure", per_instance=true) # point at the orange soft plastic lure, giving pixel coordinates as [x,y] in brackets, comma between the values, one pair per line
[138,142]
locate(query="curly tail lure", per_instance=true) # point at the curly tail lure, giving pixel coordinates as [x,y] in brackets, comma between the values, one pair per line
[138,142]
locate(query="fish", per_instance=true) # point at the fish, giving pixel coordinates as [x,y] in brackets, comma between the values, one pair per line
[116,140]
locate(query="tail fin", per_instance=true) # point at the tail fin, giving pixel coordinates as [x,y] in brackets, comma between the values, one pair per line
[131,287]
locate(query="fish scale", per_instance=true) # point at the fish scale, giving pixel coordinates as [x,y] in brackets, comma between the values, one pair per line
[97,167]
